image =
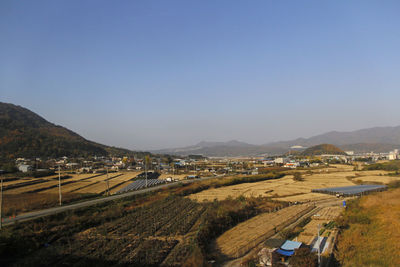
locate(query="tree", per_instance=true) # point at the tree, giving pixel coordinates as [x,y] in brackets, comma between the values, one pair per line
[303,257]
[147,161]
[297,177]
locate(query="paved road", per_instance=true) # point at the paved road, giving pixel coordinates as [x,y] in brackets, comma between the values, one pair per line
[46,212]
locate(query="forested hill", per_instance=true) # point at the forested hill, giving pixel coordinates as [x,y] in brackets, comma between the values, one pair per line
[323,149]
[23,133]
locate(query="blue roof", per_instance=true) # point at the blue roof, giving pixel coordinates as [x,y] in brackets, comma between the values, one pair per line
[285,252]
[291,245]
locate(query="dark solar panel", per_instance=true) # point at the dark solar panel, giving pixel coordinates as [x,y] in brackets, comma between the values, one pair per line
[139,184]
[351,190]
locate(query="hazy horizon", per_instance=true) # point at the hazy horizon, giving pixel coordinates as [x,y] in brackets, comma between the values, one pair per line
[153,75]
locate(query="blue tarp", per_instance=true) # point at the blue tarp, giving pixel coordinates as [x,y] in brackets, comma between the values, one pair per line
[285,252]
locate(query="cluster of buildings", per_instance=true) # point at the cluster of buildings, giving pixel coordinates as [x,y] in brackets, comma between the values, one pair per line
[279,252]
[196,166]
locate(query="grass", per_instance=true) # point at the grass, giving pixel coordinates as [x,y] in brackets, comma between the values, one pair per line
[393,165]
[370,231]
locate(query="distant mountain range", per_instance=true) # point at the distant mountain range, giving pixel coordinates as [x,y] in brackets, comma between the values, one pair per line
[23,133]
[377,139]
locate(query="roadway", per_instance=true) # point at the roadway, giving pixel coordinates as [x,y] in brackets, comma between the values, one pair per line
[46,212]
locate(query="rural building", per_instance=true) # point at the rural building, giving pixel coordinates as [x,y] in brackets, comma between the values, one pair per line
[280,161]
[25,168]
[292,165]
[278,250]
[287,249]
[393,155]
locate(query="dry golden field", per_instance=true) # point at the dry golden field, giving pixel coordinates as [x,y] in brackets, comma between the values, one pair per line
[326,215]
[240,239]
[48,181]
[379,179]
[77,183]
[45,194]
[286,189]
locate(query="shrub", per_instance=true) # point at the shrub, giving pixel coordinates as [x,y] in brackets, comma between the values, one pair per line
[303,257]
[297,177]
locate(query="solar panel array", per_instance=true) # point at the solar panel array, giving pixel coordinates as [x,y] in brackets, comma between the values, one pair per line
[139,184]
[351,190]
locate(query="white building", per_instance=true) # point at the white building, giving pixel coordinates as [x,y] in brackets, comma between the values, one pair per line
[280,161]
[25,168]
[392,156]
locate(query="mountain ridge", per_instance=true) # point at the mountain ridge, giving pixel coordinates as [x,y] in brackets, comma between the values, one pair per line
[24,133]
[378,139]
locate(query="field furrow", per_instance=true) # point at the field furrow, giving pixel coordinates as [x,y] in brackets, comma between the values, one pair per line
[240,239]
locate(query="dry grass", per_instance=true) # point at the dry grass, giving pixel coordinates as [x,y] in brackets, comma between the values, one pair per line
[240,239]
[378,179]
[19,203]
[373,236]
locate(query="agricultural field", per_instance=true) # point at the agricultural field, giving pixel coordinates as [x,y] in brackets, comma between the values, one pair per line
[287,189]
[239,240]
[80,183]
[377,179]
[172,226]
[21,195]
[157,229]
[325,215]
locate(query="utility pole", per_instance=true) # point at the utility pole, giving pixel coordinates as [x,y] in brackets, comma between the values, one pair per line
[1,203]
[145,169]
[319,247]
[108,185]
[59,184]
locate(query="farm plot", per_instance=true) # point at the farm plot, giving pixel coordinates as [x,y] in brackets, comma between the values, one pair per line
[325,215]
[77,180]
[240,239]
[33,187]
[45,183]
[97,184]
[286,189]
[377,179]
[15,181]
[142,236]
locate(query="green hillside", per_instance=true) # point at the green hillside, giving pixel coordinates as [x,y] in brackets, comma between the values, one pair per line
[323,149]
[25,134]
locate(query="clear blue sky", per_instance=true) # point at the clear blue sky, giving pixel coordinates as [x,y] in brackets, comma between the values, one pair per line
[157,74]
